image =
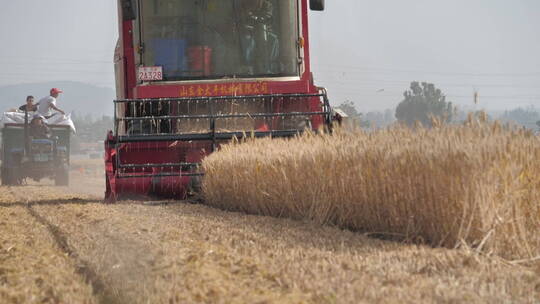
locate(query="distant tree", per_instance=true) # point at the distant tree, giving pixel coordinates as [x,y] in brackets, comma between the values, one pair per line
[379,119]
[349,109]
[354,116]
[422,102]
[90,129]
[482,115]
[526,117]
[389,117]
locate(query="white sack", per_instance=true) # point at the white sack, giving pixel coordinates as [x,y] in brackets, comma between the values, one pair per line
[18,118]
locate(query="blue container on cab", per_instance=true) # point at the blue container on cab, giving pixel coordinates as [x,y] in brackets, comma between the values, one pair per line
[171,55]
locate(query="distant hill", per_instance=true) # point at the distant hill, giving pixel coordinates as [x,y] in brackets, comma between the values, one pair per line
[80,97]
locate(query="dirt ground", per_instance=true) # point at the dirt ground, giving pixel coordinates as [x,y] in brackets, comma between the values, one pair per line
[63,245]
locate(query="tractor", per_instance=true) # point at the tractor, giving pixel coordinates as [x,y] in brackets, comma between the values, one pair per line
[25,155]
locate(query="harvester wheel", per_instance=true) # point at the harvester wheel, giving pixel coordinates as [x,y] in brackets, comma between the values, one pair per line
[5,176]
[9,177]
[62,176]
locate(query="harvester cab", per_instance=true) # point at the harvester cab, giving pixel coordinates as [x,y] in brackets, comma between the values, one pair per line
[31,149]
[193,75]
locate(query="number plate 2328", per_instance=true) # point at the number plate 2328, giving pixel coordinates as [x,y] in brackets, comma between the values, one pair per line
[150,73]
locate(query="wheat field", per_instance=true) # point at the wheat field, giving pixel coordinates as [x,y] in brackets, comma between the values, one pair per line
[475,185]
[58,247]
[63,245]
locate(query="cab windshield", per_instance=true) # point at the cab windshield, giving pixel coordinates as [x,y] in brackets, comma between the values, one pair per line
[210,39]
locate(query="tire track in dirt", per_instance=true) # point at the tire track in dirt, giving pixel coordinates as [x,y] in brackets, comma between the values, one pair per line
[33,267]
[121,262]
[82,267]
[115,264]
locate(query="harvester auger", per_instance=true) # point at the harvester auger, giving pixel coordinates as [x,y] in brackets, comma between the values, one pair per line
[192,75]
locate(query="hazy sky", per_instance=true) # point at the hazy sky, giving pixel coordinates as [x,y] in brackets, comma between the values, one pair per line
[364,51]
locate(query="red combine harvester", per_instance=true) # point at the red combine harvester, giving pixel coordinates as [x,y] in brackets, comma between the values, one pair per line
[194,74]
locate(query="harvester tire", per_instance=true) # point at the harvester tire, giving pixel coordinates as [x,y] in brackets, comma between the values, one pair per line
[9,177]
[5,176]
[61,177]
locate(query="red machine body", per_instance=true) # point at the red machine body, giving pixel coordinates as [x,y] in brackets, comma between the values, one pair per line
[192,75]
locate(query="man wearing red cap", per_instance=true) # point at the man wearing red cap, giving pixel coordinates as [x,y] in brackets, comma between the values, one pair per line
[47,103]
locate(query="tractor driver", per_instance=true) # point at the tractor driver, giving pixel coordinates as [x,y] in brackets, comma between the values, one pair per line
[260,45]
[38,128]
